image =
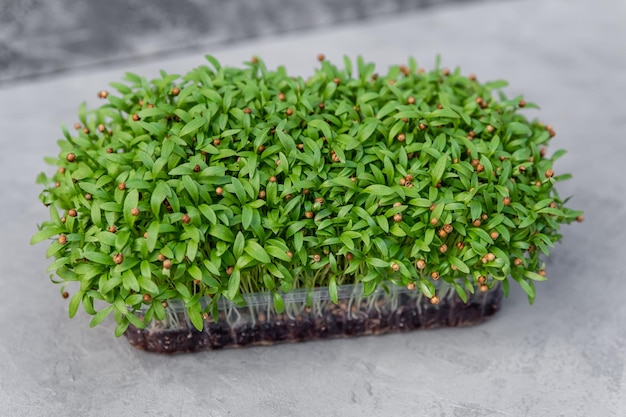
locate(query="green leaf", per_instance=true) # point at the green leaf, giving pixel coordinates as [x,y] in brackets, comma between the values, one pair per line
[191,187]
[556,155]
[192,127]
[121,239]
[383,223]
[196,318]
[429,235]
[278,253]
[439,169]
[153,236]
[159,310]
[534,276]
[122,88]
[195,272]
[526,221]
[134,299]
[153,128]
[496,84]
[279,303]
[419,245]
[275,271]
[444,113]
[233,284]
[136,321]
[553,211]
[179,251]
[213,61]
[58,263]
[519,129]
[528,289]
[460,291]
[256,204]
[387,109]
[121,327]
[192,249]
[222,233]
[420,202]
[427,288]
[459,264]
[145,269]
[111,206]
[111,283]
[247,215]
[107,238]
[75,302]
[44,234]
[183,290]
[150,112]
[347,241]
[98,257]
[88,270]
[396,230]
[541,204]
[148,285]
[364,98]
[332,290]
[269,282]
[495,221]
[243,262]
[238,245]
[321,125]
[160,193]
[54,248]
[257,251]
[330,89]
[130,281]
[476,209]
[208,213]
[480,233]
[368,130]
[378,189]
[130,202]
[378,263]
[341,182]
[213,171]
[100,316]
[240,192]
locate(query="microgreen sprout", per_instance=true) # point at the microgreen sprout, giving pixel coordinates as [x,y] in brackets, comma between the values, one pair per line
[228,181]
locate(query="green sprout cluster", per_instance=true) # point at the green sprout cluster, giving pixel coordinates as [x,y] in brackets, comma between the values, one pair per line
[227,181]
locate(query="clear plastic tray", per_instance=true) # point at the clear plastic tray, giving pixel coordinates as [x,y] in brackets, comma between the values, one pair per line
[310,315]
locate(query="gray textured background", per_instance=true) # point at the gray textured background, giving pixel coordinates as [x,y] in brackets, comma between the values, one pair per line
[40,37]
[564,356]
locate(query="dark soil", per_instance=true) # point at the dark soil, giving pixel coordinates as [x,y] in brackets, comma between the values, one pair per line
[339,320]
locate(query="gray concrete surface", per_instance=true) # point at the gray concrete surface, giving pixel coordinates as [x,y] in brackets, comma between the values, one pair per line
[43,37]
[564,356]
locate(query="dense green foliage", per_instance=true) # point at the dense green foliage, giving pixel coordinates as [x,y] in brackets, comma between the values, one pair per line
[227,181]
